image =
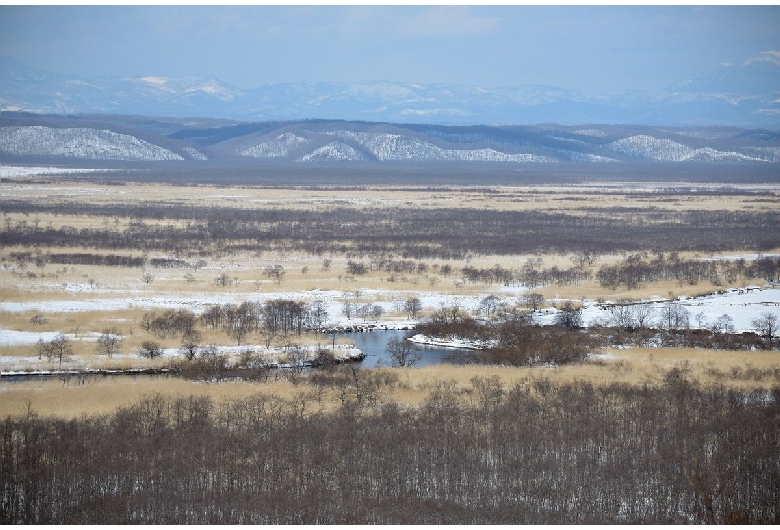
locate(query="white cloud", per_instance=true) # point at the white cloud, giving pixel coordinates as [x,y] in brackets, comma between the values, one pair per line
[771,56]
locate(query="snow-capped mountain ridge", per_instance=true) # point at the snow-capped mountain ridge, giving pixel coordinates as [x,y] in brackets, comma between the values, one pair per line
[135,139]
[756,75]
[747,95]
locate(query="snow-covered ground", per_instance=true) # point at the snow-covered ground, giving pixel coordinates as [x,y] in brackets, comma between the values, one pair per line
[742,305]
[12,337]
[31,365]
[452,342]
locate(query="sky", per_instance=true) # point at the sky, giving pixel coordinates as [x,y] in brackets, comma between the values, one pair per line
[575,47]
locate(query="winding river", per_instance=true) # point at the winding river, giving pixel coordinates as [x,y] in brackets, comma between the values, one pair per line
[373,344]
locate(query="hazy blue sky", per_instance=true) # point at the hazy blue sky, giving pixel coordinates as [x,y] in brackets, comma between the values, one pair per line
[581,47]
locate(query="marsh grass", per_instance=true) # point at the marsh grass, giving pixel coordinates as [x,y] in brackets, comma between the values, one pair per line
[638,366]
[664,290]
[72,283]
[505,197]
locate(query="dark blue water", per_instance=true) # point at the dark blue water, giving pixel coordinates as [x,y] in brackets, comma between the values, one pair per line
[373,344]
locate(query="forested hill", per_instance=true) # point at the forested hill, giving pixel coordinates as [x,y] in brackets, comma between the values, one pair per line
[28,138]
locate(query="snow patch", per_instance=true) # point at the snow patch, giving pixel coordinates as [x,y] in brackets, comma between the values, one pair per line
[10,337]
[35,171]
[449,342]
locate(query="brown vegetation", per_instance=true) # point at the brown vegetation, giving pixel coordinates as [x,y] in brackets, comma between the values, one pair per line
[534,452]
[555,434]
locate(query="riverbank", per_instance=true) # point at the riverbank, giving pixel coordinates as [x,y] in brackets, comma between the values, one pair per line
[268,358]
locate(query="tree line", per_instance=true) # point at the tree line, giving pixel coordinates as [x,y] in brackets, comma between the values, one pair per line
[640,269]
[536,452]
[279,317]
[411,233]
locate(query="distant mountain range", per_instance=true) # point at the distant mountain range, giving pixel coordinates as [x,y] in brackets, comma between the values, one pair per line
[746,95]
[197,142]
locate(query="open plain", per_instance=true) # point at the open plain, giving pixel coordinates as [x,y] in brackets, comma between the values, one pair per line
[184,352]
[84,256]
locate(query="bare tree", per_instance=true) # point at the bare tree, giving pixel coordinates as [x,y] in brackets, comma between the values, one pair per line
[533,300]
[241,320]
[376,312]
[169,322]
[674,317]
[582,258]
[723,324]
[623,315]
[355,268]
[147,278]
[109,342]
[347,309]
[324,358]
[43,350]
[569,316]
[60,348]
[296,358]
[489,392]
[150,349]
[767,327]
[489,304]
[275,273]
[38,319]
[212,363]
[413,306]
[223,280]
[285,316]
[268,335]
[190,343]
[401,353]
[318,314]
[643,313]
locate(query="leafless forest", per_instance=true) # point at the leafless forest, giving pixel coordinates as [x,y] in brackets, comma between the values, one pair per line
[429,233]
[534,453]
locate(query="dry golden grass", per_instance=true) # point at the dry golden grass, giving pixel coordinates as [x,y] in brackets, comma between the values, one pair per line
[100,395]
[82,282]
[24,358]
[56,283]
[549,198]
[733,368]
[638,366]
[667,289]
